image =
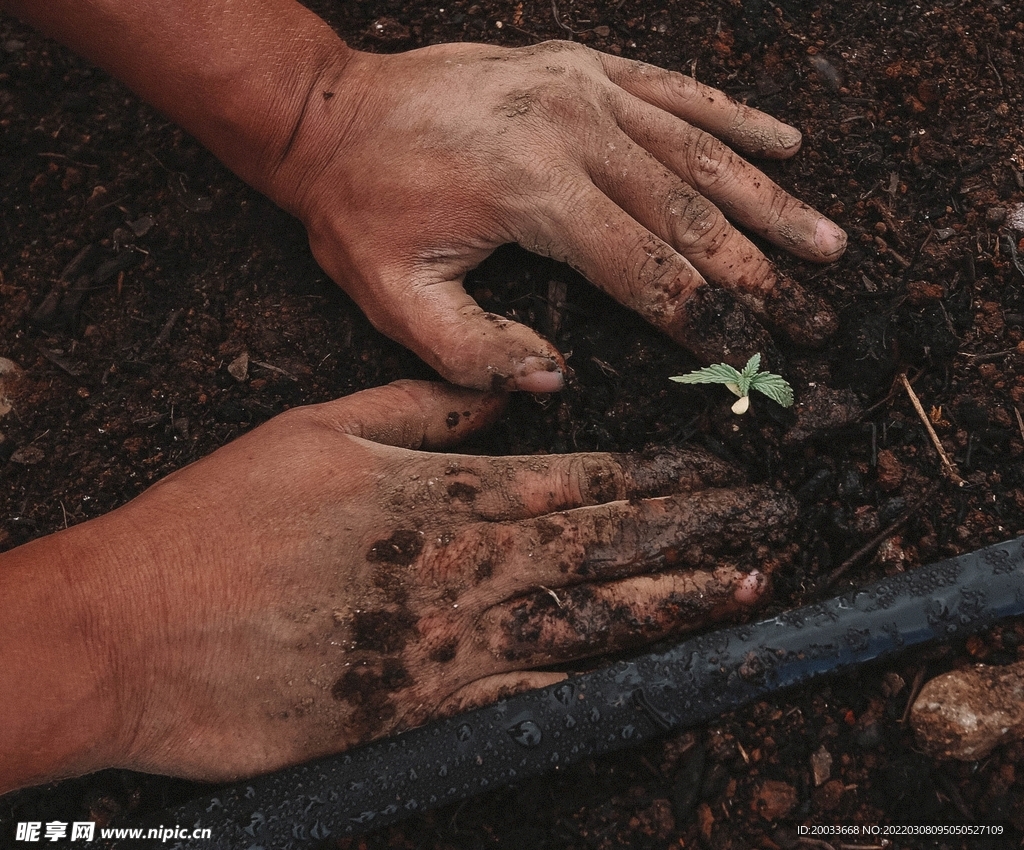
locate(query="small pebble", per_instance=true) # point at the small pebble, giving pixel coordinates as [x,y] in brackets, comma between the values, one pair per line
[821,765]
[851,484]
[28,455]
[891,553]
[892,684]
[889,470]
[828,72]
[774,799]
[141,226]
[239,367]
[750,588]
[10,372]
[1016,218]
[967,713]
[869,737]
[995,215]
[921,292]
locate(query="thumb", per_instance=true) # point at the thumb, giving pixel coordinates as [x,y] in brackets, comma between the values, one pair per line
[412,414]
[465,344]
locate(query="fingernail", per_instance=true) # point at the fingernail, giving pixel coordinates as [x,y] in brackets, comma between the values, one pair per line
[750,588]
[828,238]
[789,138]
[539,375]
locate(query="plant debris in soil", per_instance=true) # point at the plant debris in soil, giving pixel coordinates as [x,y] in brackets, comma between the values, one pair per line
[160,308]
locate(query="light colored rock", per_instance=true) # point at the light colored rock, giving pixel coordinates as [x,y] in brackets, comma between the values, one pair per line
[967,713]
[28,455]
[821,766]
[1016,218]
[10,372]
[239,367]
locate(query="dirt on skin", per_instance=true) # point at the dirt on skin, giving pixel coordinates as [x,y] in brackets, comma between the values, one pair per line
[134,270]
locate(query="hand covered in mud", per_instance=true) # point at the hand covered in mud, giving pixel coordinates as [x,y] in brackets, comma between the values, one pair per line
[410,169]
[318,583]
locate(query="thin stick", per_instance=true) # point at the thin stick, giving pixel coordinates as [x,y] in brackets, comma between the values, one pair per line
[877,540]
[915,689]
[947,465]
[1020,422]
[991,355]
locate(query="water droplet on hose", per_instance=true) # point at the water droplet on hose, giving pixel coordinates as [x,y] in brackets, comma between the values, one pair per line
[526,733]
[564,693]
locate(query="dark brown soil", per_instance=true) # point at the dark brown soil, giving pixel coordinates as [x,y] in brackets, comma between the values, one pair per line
[134,269]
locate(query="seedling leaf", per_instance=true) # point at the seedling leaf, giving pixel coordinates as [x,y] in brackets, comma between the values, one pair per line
[774,386]
[740,384]
[749,373]
[720,373]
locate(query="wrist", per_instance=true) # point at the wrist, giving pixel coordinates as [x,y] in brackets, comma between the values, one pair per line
[265,108]
[61,714]
[324,130]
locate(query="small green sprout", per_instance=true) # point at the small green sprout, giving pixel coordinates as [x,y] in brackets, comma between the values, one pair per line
[740,384]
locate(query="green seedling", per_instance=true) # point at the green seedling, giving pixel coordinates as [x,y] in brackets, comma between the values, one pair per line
[740,383]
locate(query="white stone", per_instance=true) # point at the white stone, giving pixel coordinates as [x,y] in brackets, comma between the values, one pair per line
[967,713]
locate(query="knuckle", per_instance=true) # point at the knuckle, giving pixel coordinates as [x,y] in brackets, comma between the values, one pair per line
[710,161]
[678,88]
[555,46]
[662,281]
[696,223]
[690,212]
[304,422]
[651,75]
[593,480]
[779,212]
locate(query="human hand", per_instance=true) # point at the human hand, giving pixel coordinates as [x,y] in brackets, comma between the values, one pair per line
[316,584]
[410,169]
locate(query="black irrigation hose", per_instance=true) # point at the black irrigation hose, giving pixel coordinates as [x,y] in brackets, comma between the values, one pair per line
[606,710]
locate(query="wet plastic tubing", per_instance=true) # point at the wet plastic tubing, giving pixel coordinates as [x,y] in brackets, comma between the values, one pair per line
[598,712]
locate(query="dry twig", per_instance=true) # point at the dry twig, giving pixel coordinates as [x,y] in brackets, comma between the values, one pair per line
[877,540]
[948,467]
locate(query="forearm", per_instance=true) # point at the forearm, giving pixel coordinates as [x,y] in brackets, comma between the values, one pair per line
[235,73]
[59,708]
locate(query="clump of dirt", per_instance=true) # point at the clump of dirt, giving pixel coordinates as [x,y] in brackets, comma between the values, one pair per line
[134,270]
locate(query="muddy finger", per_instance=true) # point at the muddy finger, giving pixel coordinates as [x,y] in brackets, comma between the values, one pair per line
[613,540]
[681,205]
[642,271]
[511,488]
[744,193]
[550,626]
[748,130]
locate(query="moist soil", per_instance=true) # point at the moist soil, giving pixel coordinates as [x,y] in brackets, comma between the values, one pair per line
[134,269]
